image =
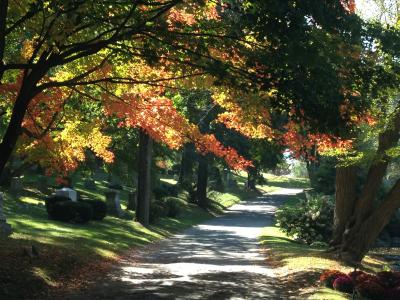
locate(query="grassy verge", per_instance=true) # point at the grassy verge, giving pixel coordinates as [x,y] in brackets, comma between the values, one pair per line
[299,265]
[70,253]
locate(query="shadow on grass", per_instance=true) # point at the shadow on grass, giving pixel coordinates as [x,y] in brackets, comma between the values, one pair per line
[68,251]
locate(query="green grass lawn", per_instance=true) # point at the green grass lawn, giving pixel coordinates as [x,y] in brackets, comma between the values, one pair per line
[70,253]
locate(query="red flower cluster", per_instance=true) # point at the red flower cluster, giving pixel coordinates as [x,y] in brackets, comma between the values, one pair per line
[382,286]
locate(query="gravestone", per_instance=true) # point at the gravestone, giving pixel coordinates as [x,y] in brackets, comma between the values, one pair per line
[5,228]
[67,192]
[16,185]
[113,203]
[42,183]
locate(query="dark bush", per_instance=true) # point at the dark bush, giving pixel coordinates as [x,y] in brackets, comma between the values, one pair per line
[393,293]
[343,284]
[309,221]
[99,208]
[371,289]
[71,211]
[360,279]
[52,200]
[158,210]
[174,206]
[165,190]
[355,274]
[115,186]
[388,279]
[322,177]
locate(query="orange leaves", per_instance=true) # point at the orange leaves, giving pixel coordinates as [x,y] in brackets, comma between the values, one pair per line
[55,136]
[181,17]
[233,120]
[159,118]
[251,120]
[208,143]
[191,14]
[156,115]
[303,144]
[349,5]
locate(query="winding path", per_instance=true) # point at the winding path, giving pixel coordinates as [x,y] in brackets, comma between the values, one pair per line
[218,259]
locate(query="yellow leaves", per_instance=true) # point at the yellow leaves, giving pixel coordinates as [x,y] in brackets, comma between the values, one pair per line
[28,47]
[62,151]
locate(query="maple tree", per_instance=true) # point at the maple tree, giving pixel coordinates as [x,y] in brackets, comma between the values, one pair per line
[70,44]
[313,63]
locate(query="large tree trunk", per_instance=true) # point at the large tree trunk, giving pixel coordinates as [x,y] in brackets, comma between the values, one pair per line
[14,128]
[251,178]
[187,161]
[359,239]
[144,178]
[345,199]
[202,178]
[366,220]
[27,92]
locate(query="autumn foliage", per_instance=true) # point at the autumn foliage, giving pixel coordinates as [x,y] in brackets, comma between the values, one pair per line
[55,136]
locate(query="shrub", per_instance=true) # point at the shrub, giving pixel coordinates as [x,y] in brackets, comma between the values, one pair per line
[165,190]
[310,220]
[354,274]
[365,278]
[52,200]
[174,206]
[388,279]
[393,293]
[328,277]
[157,210]
[322,178]
[343,284]
[70,211]
[371,289]
[99,208]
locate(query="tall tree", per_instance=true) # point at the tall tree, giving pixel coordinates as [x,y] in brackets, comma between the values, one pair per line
[144,178]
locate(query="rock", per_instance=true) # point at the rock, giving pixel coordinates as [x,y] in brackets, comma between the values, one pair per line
[42,183]
[113,203]
[67,192]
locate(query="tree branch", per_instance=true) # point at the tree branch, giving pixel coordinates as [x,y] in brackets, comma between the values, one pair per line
[3,19]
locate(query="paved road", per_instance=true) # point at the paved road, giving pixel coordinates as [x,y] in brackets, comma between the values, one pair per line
[219,259]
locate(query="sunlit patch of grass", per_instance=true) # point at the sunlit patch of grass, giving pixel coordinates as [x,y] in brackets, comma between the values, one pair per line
[328,294]
[169,180]
[300,265]
[286,181]
[43,274]
[267,188]
[294,256]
